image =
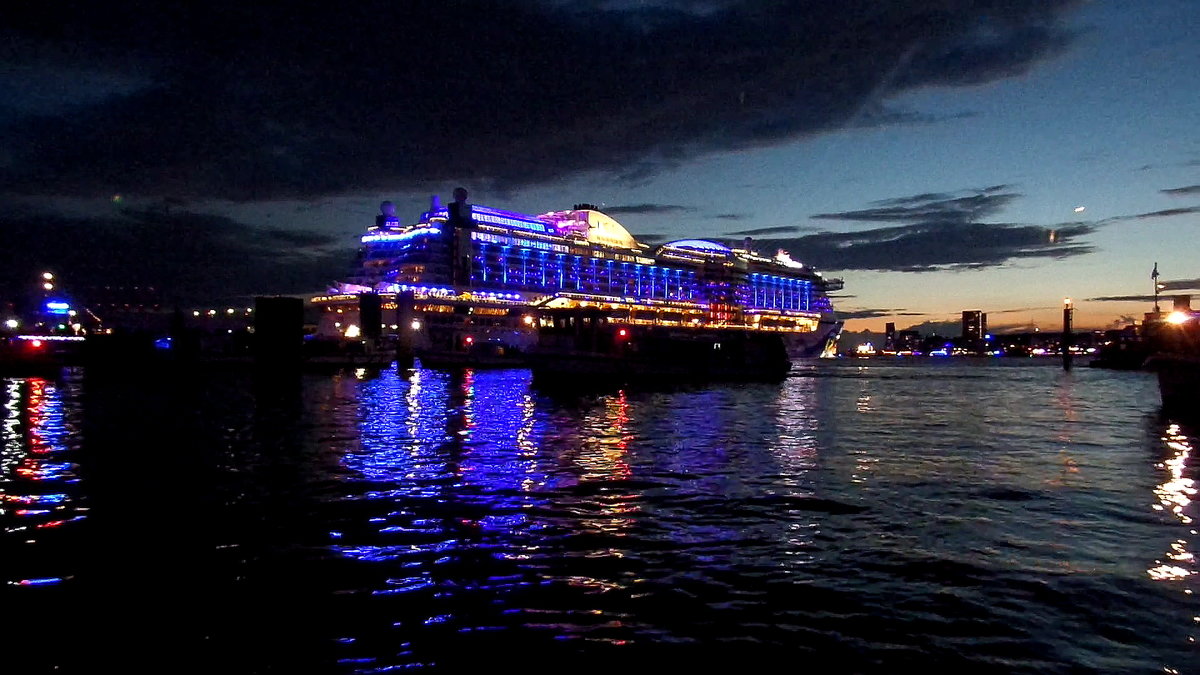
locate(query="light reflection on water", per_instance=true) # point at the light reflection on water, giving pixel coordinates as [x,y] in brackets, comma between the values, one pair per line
[40,495]
[1175,496]
[994,518]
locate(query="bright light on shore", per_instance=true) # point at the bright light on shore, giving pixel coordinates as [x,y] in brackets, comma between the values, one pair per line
[1177,317]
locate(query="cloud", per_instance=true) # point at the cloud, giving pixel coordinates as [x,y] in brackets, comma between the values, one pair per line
[651,238]
[1182,191]
[942,328]
[644,209]
[875,313]
[1122,298]
[939,231]
[1165,213]
[195,258]
[1022,310]
[731,216]
[1168,288]
[231,100]
[941,207]
[1181,285]
[765,230]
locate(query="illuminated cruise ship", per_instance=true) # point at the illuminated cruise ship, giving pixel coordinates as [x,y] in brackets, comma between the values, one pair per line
[460,282]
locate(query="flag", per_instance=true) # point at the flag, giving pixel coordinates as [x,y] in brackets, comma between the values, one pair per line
[1154,274]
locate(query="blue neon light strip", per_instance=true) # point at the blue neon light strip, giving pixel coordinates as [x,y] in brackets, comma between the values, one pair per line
[699,245]
[400,236]
[486,214]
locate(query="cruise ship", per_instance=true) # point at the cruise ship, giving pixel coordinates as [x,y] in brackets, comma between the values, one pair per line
[470,279]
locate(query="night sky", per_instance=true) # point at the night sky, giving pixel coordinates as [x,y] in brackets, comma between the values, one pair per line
[933,153]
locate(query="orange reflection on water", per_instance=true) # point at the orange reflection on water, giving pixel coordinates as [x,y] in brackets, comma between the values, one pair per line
[603,454]
[603,458]
[1175,495]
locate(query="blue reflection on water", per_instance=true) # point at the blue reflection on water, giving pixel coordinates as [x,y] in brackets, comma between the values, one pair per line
[461,445]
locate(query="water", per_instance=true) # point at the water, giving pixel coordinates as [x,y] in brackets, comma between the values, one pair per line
[997,516]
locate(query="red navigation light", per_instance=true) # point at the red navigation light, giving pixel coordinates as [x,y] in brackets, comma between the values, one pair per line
[468,339]
[622,333]
[36,344]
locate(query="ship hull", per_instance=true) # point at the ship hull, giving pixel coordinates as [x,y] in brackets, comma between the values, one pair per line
[586,349]
[1178,383]
[818,343]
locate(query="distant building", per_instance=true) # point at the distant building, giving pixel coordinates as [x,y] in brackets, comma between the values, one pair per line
[889,340]
[908,341]
[974,329]
[974,325]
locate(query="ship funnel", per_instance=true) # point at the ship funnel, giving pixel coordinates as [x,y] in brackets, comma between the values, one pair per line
[387,216]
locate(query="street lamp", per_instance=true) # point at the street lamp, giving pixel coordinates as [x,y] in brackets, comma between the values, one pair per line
[1068,311]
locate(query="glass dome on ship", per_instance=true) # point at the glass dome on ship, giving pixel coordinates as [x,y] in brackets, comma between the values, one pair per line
[458,281]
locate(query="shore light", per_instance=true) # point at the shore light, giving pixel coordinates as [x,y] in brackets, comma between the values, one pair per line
[1177,318]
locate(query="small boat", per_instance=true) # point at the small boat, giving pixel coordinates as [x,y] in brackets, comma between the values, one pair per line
[37,355]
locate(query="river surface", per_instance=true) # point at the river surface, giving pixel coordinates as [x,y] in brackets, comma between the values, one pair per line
[862,517]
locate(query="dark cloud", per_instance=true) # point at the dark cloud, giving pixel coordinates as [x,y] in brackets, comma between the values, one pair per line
[1022,310]
[298,238]
[651,238]
[1122,298]
[876,115]
[939,231]
[1168,288]
[194,258]
[731,216]
[644,209]
[1165,213]
[250,101]
[939,207]
[765,230]
[875,313]
[943,328]
[1182,191]
[1181,285]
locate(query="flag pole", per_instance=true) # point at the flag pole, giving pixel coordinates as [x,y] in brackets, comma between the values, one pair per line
[1154,278]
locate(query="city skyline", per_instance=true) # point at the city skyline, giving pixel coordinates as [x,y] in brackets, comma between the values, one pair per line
[936,156]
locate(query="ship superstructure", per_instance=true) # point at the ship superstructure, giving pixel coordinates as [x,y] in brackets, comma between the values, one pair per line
[481,273]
